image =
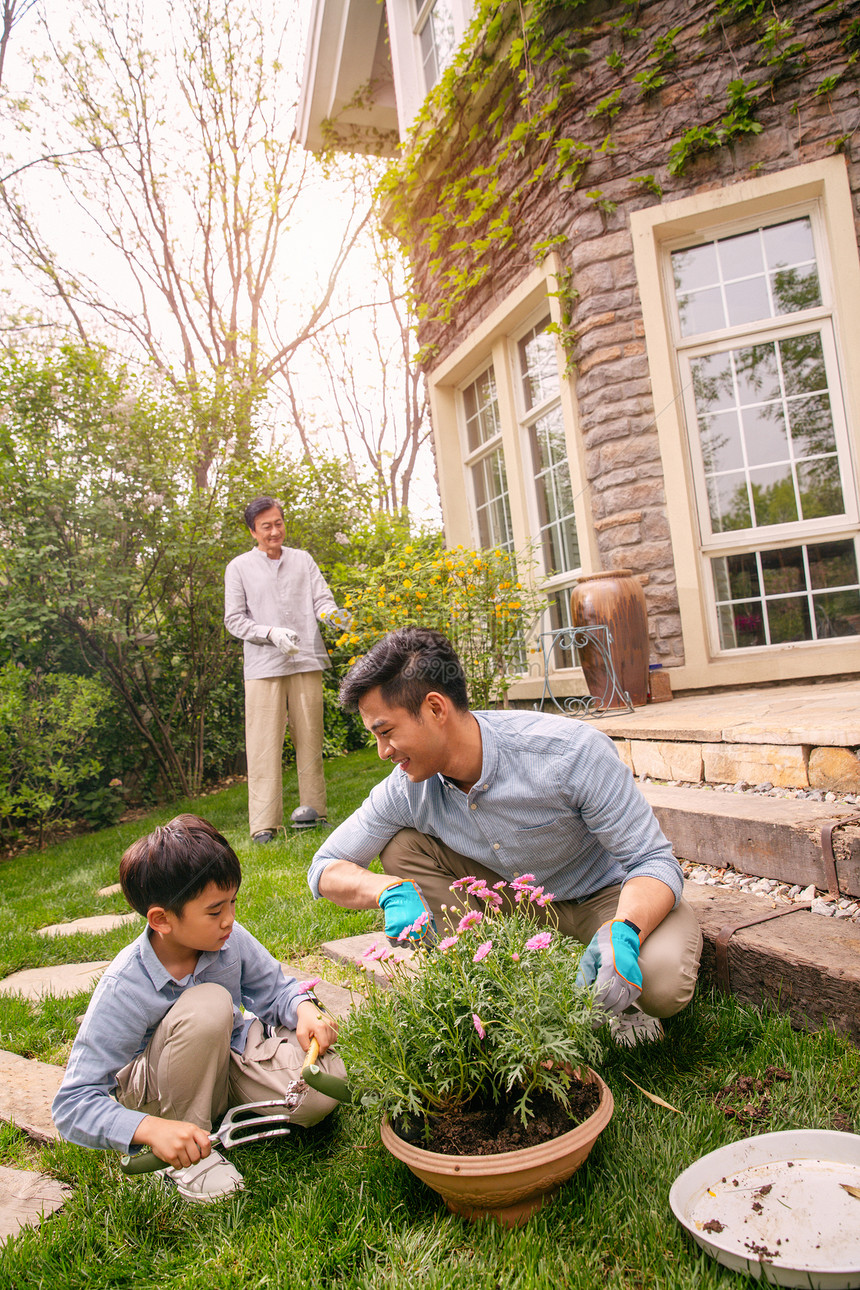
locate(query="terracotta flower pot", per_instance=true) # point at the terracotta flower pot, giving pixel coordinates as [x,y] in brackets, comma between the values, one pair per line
[614,600]
[512,1185]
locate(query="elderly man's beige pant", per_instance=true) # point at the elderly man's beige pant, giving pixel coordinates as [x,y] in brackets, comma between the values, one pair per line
[269,703]
[188,1070]
[669,957]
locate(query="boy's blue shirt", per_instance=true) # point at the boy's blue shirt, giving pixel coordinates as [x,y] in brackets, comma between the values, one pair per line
[132,997]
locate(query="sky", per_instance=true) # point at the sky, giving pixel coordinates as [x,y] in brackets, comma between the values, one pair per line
[314,237]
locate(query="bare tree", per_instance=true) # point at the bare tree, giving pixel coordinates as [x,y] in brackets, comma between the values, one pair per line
[377,390]
[177,152]
[13,12]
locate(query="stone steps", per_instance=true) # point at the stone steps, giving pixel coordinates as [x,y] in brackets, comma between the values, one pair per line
[766,837]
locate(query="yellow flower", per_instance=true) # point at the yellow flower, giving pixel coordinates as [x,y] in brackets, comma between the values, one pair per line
[407,583]
[341,640]
[350,661]
[416,566]
[409,549]
[353,640]
[402,564]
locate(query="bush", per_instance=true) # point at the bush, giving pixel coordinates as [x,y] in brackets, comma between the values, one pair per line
[48,732]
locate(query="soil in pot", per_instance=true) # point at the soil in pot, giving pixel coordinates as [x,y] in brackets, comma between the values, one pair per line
[485,1129]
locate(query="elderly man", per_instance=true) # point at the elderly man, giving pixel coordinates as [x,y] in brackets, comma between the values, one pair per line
[500,794]
[273,597]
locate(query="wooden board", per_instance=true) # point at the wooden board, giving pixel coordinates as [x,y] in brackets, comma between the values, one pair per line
[769,837]
[803,964]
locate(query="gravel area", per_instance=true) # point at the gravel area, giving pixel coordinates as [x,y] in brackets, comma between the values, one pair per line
[705,875]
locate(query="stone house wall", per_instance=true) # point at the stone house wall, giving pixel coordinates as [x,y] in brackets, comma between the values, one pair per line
[610,375]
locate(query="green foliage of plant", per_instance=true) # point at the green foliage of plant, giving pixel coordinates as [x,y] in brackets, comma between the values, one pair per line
[737,122]
[494,1010]
[649,182]
[48,731]
[475,597]
[609,106]
[114,543]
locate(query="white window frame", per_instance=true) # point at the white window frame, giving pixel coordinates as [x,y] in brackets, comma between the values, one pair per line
[405,22]
[820,187]
[473,457]
[495,341]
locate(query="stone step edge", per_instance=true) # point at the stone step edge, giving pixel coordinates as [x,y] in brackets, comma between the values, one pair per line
[765,837]
[699,760]
[802,964]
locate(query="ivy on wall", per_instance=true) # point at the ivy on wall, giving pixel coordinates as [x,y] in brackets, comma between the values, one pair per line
[524,74]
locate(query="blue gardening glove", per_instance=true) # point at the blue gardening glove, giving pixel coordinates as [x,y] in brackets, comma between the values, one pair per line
[407,914]
[611,962]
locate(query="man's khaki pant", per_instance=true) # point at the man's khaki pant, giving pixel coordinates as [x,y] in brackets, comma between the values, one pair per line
[188,1070]
[669,957]
[269,703]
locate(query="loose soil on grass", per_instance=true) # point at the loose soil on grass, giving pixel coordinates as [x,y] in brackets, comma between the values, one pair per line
[488,1130]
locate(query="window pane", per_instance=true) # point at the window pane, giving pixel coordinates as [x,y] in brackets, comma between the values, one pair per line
[774,500]
[765,436]
[721,442]
[747,301]
[805,592]
[811,425]
[766,273]
[837,613]
[728,502]
[757,374]
[538,365]
[437,41]
[803,364]
[820,488]
[482,410]
[788,620]
[489,481]
[713,382]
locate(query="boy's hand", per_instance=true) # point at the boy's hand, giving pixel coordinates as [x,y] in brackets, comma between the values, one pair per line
[312,1024]
[177,1142]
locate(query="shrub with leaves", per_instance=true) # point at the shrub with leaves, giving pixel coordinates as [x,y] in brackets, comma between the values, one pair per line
[477,598]
[492,1011]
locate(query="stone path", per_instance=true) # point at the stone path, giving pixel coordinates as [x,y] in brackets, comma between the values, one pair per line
[26,1197]
[57,979]
[98,923]
[27,1089]
[353,949]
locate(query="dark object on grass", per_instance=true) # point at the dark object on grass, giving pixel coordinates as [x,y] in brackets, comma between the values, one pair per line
[305,817]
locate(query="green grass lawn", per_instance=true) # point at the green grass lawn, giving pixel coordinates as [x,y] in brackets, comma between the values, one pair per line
[329,1207]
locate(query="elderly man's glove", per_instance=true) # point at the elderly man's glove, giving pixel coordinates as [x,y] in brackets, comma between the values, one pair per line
[611,962]
[342,619]
[407,914]
[284,639]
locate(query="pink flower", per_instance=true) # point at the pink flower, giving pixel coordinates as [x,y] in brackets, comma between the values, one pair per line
[479,1025]
[471,919]
[544,900]
[539,942]
[447,942]
[372,952]
[482,951]
[416,927]
[536,893]
[462,882]
[525,880]
[306,986]
[515,957]
[497,886]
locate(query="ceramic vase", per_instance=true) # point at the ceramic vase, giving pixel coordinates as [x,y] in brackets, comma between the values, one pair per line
[511,1185]
[614,600]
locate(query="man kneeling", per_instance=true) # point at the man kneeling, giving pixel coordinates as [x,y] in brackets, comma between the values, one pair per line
[498,795]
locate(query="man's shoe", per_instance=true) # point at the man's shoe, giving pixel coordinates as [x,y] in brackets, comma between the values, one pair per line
[633,1027]
[207,1180]
[265,835]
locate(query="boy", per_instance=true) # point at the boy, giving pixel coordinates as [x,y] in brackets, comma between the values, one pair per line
[164,1048]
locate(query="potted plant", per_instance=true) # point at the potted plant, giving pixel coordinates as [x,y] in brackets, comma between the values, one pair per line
[479,1056]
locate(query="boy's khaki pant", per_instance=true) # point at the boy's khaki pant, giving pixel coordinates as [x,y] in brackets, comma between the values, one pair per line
[270,702]
[670,955]
[188,1070]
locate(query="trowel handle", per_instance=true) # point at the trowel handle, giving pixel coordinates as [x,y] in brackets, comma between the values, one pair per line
[315,1077]
[141,1162]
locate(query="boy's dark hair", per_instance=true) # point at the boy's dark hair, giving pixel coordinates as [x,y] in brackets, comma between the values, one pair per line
[174,863]
[257,506]
[406,665]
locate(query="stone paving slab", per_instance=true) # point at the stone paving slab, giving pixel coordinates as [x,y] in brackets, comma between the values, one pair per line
[825,714]
[351,949]
[97,923]
[111,890]
[338,1000]
[27,1089]
[57,979]
[26,1197]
